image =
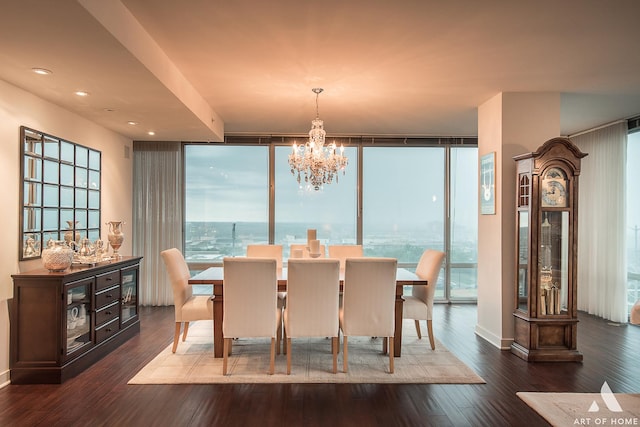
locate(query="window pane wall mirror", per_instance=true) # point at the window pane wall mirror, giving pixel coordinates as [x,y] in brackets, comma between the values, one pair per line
[60,197]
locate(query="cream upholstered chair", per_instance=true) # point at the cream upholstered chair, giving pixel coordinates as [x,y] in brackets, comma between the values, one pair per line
[342,252]
[266,251]
[274,252]
[634,317]
[305,250]
[250,298]
[419,305]
[188,308]
[368,306]
[312,306]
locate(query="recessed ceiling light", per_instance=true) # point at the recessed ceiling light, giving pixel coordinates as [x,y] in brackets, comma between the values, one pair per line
[151,133]
[41,71]
[132,123]
[82,93]
[109,110]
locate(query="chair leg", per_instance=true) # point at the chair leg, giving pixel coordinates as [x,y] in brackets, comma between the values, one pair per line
[431,339]
[384,345]
[288,346]
[285,341]
[418,329]
[278,337]
[186,329]
[335,344]
[225,355]
[391,355]
[345,354]
[176,336]
[272,362]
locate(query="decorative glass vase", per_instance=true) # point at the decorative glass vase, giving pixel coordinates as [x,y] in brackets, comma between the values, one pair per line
[115,236]
[69,235]
[57,256]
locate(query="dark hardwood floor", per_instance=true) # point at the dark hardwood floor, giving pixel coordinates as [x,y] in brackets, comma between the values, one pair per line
[100,396]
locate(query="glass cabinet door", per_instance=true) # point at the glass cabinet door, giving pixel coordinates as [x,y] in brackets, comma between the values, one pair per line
[129,294]
[77,315]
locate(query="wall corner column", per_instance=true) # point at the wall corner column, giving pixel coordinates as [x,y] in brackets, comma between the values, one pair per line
[509,124]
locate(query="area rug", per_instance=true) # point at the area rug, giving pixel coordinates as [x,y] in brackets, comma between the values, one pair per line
[571,409]
[193,362]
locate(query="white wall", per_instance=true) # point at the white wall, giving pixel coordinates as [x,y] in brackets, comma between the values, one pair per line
[20,108]
[490,297]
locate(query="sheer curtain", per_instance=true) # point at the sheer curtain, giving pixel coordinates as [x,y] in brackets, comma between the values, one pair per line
[602,263]
[157,214]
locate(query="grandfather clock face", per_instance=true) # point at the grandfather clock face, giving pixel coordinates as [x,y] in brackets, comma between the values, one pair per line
[554,189]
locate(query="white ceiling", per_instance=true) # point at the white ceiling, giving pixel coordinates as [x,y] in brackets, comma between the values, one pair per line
[193,69]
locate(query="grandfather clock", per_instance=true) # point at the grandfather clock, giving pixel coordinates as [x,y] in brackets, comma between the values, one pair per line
[545,312]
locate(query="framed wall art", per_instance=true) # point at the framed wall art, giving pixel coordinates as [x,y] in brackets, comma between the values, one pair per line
[487,184]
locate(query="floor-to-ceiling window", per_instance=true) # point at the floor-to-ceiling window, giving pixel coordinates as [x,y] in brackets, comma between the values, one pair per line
[226,200]
[332,211]
[463,224]
[403,202]
[396,199]
[633,218]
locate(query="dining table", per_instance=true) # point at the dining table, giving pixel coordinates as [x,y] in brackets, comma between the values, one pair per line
[214,276]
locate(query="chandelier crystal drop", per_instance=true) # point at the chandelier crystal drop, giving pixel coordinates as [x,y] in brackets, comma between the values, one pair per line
[319,164]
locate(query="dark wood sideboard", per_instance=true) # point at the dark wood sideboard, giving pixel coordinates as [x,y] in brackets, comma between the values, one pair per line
[62,323]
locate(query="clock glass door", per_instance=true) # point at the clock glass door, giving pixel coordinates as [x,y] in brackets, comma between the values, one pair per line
[523,260]
[553,262]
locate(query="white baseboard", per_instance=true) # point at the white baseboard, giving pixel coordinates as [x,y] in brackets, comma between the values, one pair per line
[501,343]
[5,378]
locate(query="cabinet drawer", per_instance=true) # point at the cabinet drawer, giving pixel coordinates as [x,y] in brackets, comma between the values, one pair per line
[104,281]
[106,314]
[107,297]
[107,330]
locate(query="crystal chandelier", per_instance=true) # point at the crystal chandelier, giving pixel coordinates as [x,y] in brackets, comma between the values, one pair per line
[317,163]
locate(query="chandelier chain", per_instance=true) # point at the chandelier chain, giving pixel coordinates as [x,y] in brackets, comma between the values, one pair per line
[317,91]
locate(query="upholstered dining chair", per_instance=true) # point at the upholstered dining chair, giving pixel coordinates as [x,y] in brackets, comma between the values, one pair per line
[342,252]
[250,299]
[266,251]
[419,305]
[313,286]
[305,250]
[368,305]
[275,252]
[187,307]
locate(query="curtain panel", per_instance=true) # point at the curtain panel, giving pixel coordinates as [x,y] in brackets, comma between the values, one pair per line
[602,262]
[157,214]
